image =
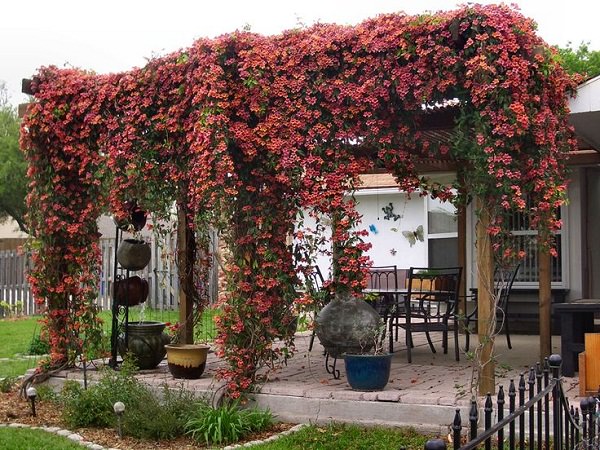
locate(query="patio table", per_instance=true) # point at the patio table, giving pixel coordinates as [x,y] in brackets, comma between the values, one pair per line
[576,319]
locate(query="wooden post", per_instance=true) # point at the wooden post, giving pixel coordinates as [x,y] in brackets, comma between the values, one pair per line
[462,257]
[485,313]
[545,301]
[186,306]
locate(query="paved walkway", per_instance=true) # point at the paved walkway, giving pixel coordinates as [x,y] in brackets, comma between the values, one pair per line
[423,394]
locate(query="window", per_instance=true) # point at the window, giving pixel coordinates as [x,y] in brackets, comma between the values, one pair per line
[442,233]
[526,239]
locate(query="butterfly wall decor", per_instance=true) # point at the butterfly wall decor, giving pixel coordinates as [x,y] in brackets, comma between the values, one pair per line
[413,236]
[373,229]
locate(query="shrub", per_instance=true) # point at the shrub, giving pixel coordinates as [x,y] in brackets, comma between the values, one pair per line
[39,346]
[46,394]
[227,423]
[146,416]
[94,406]
[7,383]
[161,419]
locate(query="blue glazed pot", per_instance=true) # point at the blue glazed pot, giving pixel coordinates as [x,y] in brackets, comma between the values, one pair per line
[368,372]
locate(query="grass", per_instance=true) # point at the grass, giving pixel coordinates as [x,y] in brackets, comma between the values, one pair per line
[348,437]
[26,438]
[16,335]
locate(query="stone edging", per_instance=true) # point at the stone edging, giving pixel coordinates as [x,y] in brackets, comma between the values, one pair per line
[269,439]
[77,438]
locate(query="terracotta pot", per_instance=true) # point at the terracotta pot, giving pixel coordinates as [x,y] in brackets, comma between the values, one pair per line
[187,360]
[146,341]
[131,291]
[133,254]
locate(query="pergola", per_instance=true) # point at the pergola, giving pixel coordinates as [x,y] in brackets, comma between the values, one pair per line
[243,131]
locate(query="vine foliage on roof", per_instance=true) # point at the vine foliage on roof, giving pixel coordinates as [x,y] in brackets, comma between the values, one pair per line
[245,130]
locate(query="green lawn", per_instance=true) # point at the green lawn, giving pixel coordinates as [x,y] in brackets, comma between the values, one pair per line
[28,439]
[348,437]
[16,335]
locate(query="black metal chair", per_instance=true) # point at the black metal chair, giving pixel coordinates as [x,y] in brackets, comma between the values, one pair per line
[504,279]
[429,305]
[381,279]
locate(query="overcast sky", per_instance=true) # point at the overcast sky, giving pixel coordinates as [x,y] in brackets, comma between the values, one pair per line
[112,36]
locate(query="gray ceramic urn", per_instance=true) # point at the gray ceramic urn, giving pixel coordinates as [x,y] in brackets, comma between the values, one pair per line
[347,325]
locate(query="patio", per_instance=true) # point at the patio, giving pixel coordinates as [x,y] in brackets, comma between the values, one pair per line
[423,394]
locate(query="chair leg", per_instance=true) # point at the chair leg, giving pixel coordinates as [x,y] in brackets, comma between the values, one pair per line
[445,340]
[430,341]
[391,334]
[507,331]
[456,350]
[467,335]
[312,341]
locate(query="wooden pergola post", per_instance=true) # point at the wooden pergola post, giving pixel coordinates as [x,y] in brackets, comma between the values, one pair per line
[462,257]
[184,255]
[485,301]
[545,301]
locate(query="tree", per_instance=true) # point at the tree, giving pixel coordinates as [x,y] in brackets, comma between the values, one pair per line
[581,61]
[13,169]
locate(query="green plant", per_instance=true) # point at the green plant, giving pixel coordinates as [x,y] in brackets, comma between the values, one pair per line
[7,383]
[227,423]
[39,345]
[46,394]
[161,419]
[146,415]
[94,406]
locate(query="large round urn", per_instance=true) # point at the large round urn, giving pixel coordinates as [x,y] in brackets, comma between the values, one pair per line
[146,341]
[346,325]
[133,254]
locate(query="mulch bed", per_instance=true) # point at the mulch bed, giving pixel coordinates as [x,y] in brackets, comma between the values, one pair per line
[15,410]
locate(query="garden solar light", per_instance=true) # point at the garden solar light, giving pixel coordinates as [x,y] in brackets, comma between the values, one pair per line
[31,395]
[119,408]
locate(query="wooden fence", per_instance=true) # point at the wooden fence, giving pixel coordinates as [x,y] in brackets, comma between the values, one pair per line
[15,295]
[161,273]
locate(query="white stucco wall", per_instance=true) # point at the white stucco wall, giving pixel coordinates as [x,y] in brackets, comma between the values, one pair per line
[389,246]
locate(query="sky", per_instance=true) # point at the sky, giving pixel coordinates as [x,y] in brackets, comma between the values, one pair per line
[117,35]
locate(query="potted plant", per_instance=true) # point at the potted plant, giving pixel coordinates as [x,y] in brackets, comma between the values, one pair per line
[369,370]
[186,361]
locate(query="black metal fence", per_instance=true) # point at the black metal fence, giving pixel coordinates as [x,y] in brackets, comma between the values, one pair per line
[539,417]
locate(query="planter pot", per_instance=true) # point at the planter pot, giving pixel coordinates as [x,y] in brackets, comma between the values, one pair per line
[346,325]
[136,219]
[133,254]
[187,360]
[146,342]
[131,291]
[368,372]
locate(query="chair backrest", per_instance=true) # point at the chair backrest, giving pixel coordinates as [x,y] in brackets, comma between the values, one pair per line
[315,279]
[504,278]
[383,278]
[439,285]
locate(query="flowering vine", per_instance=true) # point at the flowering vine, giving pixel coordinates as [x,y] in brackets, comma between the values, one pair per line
[243,131]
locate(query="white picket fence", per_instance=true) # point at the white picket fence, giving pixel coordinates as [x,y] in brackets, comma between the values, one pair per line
[161,274]
[15,294]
